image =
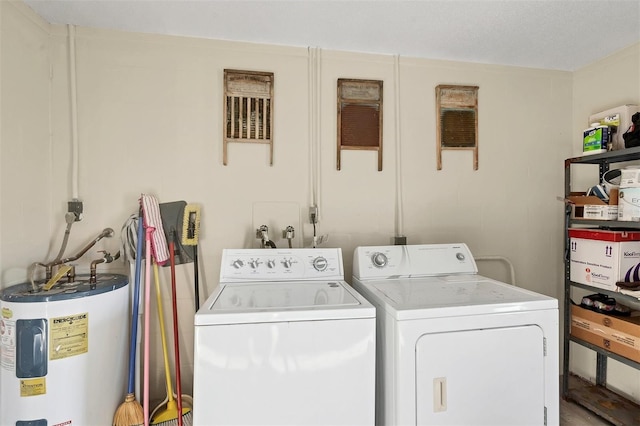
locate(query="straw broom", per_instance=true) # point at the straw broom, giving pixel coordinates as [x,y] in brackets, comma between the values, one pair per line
[130,412]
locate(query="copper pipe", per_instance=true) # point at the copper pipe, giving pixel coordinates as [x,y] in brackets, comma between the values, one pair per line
[71,275]
[107,232]
[107,258]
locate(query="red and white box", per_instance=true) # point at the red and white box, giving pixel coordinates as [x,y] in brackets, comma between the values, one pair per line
[600,258]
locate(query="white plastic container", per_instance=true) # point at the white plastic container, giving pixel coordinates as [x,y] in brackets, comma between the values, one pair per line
[629,204]
[611,180]
[630,177]
[595,140]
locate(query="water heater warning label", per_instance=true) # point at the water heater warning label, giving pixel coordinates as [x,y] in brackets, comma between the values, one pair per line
[7,344]
[33,387]
[69,336]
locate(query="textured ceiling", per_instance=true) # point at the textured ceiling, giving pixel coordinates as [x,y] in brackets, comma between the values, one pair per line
[549,34]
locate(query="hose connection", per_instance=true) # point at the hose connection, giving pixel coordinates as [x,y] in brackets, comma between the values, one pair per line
[106,258]
[263,234]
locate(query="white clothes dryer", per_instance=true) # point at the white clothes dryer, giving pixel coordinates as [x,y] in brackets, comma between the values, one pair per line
[454,347]
[284,340]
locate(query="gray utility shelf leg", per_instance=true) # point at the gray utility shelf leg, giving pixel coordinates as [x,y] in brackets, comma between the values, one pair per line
[601,369]
[567,302]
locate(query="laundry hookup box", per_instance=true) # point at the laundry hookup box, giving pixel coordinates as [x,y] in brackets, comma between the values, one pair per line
[600,258]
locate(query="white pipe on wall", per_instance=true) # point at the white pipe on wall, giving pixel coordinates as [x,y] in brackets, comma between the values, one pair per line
[311,119]
[314,125]
[399,201]
[512,272]
[318,72]
[74,112]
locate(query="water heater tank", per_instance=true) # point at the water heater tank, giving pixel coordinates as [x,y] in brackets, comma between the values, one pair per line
[63,352]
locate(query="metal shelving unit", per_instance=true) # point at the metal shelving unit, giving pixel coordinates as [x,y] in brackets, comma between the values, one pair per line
[596,397]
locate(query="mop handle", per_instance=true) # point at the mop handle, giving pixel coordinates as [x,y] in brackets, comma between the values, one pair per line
[175,328]
[165,351]
[136,301]
[195,277]
[147,297]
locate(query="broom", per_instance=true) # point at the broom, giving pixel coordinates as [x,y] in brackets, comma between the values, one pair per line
[184,419]
[167,412]
[130,412]
[156,246]
[190,232]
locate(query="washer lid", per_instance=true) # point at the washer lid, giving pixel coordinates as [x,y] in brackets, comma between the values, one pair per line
[283,301]
[452,295]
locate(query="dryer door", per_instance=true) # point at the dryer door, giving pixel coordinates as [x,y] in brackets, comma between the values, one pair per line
[481,377]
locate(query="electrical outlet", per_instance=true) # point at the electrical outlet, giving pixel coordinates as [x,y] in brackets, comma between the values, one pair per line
[400,240]
[75,206]
[313,214]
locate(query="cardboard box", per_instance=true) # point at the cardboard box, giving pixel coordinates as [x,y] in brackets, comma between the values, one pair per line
[620,335]
[592,207]
[600,258]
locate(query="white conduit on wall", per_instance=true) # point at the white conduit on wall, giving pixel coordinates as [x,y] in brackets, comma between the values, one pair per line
[314,64]
[318,118]
[311,121]
[399,202]
[512,272]
[74,112]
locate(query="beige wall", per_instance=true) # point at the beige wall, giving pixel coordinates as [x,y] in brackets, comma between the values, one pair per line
[25,152]
[608,83]
[149,121]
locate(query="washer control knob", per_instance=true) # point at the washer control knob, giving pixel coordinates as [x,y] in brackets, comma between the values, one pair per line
[460,256]
[271,263]
[237,264]
[379,260]
[286,263]
[253,263]
[320,264]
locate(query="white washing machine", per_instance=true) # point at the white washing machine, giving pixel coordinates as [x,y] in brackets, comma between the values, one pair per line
[284,340]
[454,347]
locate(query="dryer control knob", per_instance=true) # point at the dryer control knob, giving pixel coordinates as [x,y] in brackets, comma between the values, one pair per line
[254,263]
[379,260]
[271,263]
[320,264]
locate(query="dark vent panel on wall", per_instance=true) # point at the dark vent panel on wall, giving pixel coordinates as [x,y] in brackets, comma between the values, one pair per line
[359,126]
[458,127]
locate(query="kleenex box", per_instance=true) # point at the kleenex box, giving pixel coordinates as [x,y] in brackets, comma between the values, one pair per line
[600,258]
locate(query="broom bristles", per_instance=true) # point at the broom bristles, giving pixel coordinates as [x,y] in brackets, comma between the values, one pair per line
[129,413]
[187,419]
[169,415]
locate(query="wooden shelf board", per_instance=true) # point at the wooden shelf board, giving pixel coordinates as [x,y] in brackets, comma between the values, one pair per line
[603,402]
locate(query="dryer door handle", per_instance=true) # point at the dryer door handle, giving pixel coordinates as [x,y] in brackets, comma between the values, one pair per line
[439,394]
